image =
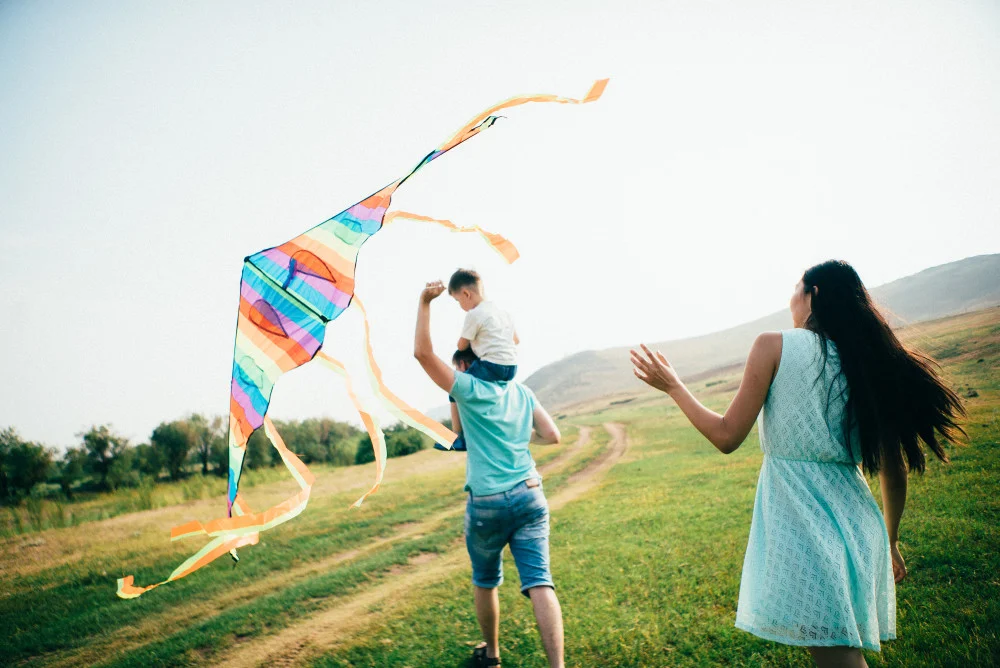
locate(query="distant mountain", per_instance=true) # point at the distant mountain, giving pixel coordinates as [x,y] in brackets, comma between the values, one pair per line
[957,287]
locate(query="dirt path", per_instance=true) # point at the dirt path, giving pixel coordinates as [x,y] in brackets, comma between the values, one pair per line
[351,615]
[184,615]
[148,531]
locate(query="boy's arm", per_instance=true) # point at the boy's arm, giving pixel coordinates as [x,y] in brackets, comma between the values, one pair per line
[517,339]
[470,328]
[456,421]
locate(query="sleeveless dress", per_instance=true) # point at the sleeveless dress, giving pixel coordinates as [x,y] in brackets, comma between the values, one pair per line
[817,570]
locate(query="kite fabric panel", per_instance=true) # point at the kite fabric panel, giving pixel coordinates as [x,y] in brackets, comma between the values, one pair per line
[288,294]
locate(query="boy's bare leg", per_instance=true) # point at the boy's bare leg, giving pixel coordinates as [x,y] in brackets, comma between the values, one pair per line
[488,614]
[548,614]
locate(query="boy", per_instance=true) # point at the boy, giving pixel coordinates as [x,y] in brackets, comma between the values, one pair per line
[488,337]
[488,329]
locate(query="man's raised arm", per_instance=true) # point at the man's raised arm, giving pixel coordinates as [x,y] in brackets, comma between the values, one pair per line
[435,367]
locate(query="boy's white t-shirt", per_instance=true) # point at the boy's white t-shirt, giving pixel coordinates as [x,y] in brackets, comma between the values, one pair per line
[490,330]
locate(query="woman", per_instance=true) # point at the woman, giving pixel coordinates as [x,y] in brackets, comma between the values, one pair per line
[838,392]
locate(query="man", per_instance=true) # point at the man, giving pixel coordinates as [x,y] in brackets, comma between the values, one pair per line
[506,504]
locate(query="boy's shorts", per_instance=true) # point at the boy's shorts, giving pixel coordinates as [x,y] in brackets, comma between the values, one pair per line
[518,517]
[490,372]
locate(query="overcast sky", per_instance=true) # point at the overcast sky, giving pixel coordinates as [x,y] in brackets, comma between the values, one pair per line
[146,148]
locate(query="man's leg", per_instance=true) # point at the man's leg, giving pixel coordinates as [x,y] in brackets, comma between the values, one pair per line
[488,614]
[530,546]
[485,536]
[548,614]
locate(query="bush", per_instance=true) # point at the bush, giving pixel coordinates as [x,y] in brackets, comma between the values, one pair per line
[399,442]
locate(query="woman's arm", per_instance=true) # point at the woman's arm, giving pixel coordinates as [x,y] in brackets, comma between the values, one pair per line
[726,432]
[893,480]
[545,431]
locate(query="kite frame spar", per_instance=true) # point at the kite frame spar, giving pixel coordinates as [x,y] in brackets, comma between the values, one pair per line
[288,295]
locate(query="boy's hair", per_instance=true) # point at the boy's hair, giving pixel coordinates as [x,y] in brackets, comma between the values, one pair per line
[464,278]
[466,356]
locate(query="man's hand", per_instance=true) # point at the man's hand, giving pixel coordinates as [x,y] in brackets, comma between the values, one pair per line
[431,292]
[423,349]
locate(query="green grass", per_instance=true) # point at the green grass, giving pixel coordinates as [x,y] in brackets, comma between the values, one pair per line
[648,569]
[647,565]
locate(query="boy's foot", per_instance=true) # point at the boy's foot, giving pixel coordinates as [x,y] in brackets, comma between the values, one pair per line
[458,445]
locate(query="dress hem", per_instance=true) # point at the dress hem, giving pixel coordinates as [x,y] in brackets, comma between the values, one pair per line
[875,647]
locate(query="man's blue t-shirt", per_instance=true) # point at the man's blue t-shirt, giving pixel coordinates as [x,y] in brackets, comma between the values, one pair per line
[496,422]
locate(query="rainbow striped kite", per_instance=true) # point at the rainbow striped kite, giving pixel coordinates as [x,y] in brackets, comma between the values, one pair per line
[288,294]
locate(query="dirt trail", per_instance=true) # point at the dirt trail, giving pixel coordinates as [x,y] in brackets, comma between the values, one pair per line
[337,625]
[148,530]
[182,616]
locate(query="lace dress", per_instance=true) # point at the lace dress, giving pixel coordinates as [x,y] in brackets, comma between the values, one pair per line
[817,570]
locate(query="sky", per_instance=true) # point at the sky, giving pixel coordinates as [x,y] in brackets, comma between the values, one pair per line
[146,148]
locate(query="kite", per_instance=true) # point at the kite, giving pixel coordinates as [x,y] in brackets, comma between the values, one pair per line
[288,295]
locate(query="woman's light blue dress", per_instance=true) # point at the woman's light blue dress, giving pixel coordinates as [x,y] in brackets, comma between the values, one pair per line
[817,570]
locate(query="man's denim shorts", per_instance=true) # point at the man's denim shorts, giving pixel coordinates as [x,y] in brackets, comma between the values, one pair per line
[518,517]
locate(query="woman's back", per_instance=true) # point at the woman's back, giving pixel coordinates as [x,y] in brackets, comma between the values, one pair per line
[803,414]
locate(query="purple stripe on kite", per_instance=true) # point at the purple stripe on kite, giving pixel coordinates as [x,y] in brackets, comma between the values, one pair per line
[329,291]
[295,332]
[338,298]
[362,212]
[254,418]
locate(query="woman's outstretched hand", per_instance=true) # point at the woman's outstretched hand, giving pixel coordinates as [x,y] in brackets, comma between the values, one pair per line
[655,370]
[431,292]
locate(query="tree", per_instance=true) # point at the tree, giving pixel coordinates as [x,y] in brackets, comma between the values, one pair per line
[8,438]
[22,464]
[149,460]
[102,446]
[259,451]
[220,456]
[174,440]
[121,472]
[205,432]
[70,470]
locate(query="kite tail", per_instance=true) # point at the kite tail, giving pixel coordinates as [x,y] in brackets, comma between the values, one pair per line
[486,119]
[402,410]
[229,533]
[499,243]
[370,421]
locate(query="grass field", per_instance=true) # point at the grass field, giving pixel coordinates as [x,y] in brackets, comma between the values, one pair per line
[648,534]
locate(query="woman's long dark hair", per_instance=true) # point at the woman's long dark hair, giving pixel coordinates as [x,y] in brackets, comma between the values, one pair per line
[895,396]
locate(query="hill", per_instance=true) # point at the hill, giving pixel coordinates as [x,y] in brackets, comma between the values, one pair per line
[949,289]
